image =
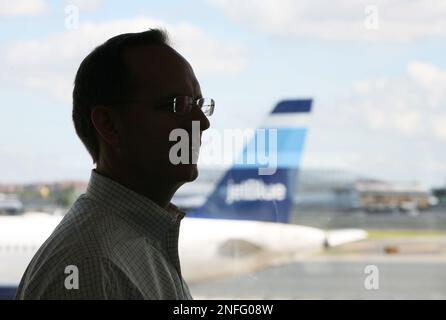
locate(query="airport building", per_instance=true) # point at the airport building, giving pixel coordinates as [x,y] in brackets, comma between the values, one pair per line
[319,190]
[343,191]
[325,189]
[335,190]
[10,204]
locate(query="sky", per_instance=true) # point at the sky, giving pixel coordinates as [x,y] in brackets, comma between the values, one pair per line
[375,69]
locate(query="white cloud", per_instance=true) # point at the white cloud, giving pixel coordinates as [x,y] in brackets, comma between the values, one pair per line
[411,105]
[20,165]
[397,20]
[439,127]
[49,64]
[430,79]
[22,7]
[85,5]
[206,54]
[390,127]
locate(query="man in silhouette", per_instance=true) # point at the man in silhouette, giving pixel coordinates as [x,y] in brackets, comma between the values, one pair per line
[120,239]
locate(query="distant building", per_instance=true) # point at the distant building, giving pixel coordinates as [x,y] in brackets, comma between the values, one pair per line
[342,191]
[376,195]
[328,190]
[325,189]
[440,197]
[46,197]
[10,204]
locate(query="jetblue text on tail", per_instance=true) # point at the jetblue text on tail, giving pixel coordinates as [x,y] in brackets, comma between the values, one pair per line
[251,191]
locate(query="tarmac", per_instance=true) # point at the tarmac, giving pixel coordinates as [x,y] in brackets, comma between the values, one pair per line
[388,265]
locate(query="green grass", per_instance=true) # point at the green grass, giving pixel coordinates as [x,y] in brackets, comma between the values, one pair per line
[380,234]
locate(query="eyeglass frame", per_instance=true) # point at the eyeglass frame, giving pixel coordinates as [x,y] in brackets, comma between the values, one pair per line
[195,102]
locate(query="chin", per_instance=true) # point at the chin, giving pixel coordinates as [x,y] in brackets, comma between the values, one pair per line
[187,173]
[194,172]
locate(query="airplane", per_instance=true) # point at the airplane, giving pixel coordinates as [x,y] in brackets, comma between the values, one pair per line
[241,227]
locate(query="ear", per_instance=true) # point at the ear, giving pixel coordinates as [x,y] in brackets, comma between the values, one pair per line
[104,121]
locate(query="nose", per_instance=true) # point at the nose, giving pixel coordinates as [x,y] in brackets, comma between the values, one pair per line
[204,121]
[196,115]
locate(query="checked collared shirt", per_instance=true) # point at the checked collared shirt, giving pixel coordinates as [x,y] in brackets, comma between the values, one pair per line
[112,244]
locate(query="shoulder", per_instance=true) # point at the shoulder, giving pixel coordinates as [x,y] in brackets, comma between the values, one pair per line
[87,277]
[92,227]
[107,254]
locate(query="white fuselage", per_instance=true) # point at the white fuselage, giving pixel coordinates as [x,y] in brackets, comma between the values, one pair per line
[208,248]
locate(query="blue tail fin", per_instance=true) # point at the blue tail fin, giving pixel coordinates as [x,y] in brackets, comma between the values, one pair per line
[255,189]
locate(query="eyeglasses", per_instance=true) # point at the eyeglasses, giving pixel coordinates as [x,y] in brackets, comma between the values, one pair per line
[183,105]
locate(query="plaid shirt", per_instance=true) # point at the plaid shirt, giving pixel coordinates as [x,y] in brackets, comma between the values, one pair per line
[121,244]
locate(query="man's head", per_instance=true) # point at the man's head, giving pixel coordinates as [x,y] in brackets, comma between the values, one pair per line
[122,106]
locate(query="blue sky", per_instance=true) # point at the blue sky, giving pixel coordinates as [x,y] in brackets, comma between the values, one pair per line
[379,93]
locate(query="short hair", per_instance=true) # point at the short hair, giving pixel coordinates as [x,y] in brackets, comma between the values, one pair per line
[103,78]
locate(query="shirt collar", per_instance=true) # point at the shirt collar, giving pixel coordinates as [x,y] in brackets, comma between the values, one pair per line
[132,206]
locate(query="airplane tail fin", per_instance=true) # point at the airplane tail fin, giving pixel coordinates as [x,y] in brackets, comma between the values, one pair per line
[261,183]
